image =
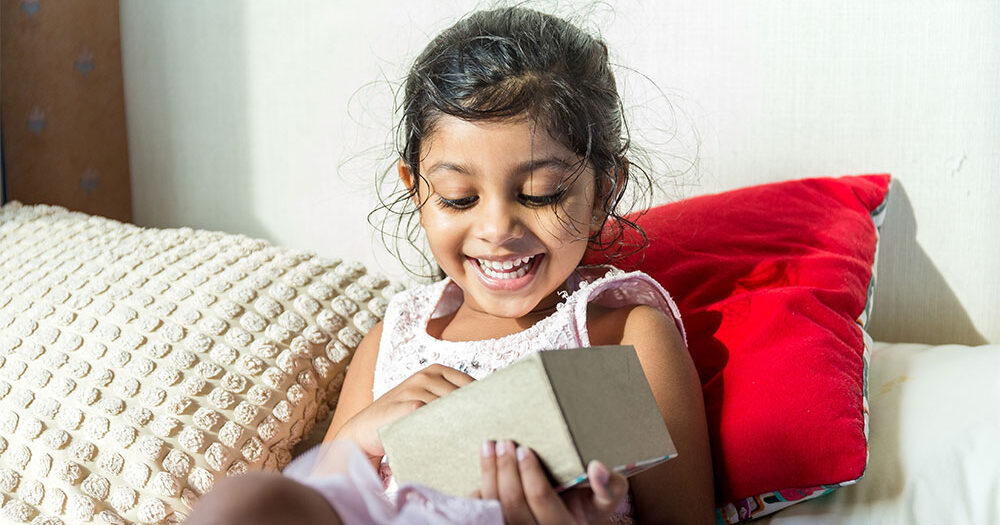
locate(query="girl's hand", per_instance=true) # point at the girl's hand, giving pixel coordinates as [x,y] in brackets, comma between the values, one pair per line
[516,478]
[414,392]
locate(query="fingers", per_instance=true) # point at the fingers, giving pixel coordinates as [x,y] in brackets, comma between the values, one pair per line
[455,377]
[433,382]
[437,386]
[488,467]
[501,481]
[609,488]
[510,493]
[516,478]
[599,501]
[416,391]
[546,506]
[442,380]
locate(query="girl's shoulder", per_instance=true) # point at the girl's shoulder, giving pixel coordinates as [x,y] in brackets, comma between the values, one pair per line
[603,295]
[603,276]
[607,285]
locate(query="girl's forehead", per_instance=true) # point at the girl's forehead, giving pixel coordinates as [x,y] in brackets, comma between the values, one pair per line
[518,135]
[460,150]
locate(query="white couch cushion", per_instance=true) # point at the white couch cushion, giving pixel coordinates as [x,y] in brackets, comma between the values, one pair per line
[935,442]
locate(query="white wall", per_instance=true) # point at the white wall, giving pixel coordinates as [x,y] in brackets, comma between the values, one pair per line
[241,117]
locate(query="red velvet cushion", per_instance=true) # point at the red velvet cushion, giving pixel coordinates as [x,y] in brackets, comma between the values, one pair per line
[772,283]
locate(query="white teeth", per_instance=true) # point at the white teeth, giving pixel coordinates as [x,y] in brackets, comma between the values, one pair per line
[502,270]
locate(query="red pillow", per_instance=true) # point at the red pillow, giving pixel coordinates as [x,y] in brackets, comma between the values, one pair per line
[773,283]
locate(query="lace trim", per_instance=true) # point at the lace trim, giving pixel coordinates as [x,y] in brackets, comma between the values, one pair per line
[493,349]
[407,347]
[614,291]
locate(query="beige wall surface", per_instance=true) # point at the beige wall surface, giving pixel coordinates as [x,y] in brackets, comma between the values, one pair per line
[63,106]
[271,118]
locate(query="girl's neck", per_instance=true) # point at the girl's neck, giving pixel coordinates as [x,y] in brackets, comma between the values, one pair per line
[467,323]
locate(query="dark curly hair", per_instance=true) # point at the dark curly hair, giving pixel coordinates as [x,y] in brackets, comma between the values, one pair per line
[511,62]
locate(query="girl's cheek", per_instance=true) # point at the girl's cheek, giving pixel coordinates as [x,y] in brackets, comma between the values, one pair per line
[579,216]
[443,225]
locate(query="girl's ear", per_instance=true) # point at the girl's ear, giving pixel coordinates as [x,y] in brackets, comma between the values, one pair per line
[607,187]
[404,173]
[598,216]
[408,180]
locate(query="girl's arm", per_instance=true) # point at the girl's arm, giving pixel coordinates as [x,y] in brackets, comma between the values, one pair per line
[356,392]
[358,417]
[680,490]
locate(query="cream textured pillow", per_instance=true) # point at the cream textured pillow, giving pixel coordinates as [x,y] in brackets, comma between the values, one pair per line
[139,366]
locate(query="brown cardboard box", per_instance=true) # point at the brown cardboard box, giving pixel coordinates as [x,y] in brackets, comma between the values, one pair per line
[569,406]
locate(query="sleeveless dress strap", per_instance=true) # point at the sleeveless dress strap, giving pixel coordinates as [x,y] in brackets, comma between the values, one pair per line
[617,289]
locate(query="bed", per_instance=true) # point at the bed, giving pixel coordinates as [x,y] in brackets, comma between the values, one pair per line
[140,365]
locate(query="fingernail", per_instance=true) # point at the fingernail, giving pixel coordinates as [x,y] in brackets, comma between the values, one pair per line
[521,453]
[501,448]
[487,450]
[602,473]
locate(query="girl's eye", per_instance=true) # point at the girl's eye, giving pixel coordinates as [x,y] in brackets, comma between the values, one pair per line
[457,204]
[543,200]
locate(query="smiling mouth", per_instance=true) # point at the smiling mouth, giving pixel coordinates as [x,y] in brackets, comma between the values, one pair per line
[509,269]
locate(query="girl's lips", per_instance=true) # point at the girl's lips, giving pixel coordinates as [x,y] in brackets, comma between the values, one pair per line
[517,283]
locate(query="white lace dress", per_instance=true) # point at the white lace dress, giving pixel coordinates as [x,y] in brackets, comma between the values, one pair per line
[407,348]
[341,472]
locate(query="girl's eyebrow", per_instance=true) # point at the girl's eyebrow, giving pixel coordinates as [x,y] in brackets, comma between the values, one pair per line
[527,166]
[446,165]
[547,162]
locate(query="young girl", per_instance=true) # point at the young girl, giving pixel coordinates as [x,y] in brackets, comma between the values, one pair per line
[514,156]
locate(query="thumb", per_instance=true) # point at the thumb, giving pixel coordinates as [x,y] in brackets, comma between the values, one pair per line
[609,487]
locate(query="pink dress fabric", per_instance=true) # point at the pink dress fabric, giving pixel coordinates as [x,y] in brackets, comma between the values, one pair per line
[345,477]
[341,473]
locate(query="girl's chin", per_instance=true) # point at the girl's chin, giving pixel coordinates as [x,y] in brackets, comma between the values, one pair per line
[510,307]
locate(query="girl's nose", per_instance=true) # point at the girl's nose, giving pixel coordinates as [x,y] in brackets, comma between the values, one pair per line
[499,223]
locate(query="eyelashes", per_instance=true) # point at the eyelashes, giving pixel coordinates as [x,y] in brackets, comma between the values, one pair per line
[542,200]
[533,201]
[456,204]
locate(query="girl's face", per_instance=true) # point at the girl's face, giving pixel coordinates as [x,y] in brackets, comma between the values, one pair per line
[499,216]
